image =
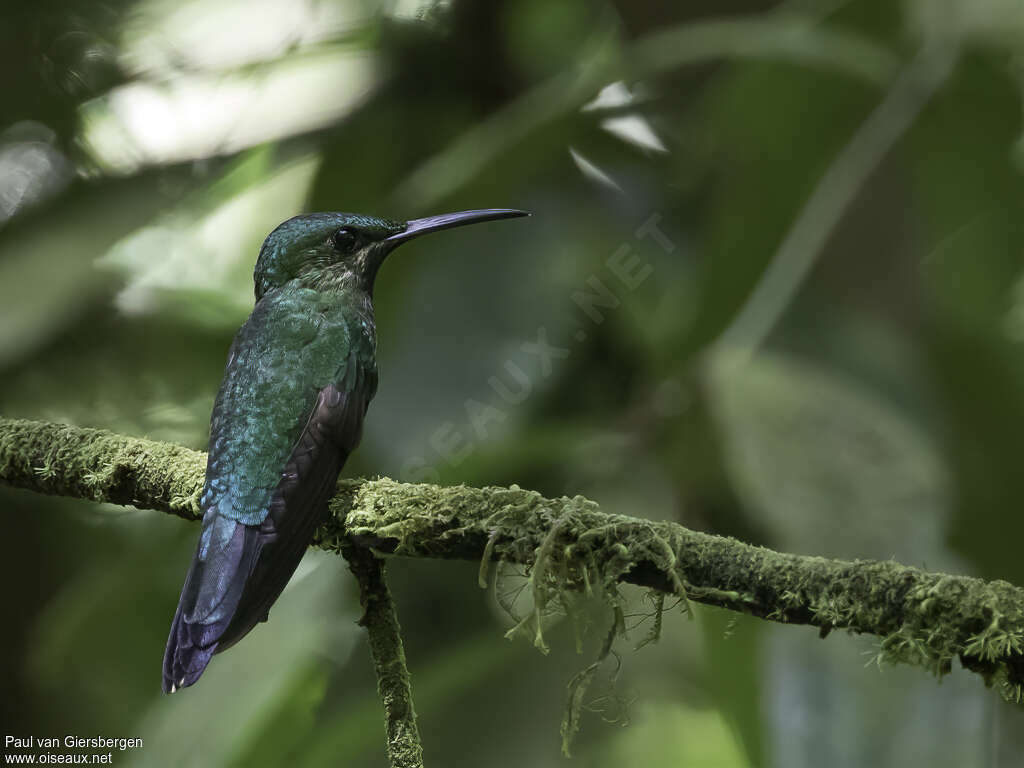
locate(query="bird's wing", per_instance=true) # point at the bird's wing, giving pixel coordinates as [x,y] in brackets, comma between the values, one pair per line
[299,500]
[287,416]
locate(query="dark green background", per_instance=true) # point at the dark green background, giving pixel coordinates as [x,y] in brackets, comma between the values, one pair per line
[881,415]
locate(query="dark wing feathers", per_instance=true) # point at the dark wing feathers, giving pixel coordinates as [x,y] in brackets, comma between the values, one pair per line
[300,501]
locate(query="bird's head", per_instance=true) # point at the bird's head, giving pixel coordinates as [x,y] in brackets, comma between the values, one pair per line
[347,247]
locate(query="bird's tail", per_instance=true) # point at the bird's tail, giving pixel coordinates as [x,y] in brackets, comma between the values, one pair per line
[213,587]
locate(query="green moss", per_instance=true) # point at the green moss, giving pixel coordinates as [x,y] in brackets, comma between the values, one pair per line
[580,683]
[569,547]
[388,653]
[98,465]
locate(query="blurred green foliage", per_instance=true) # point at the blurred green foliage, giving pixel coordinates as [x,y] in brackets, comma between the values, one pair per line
[146,147]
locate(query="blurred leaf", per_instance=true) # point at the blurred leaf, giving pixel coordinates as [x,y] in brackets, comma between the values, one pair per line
[53,250]
[814,454]
[195,261]
[666,734]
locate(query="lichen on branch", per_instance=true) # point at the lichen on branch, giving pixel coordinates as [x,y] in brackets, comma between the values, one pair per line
[569,544]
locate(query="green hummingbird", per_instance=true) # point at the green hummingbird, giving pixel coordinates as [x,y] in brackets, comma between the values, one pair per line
[300,374]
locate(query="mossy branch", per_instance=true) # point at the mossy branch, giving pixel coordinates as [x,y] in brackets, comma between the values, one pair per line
[923,618]
[388,654]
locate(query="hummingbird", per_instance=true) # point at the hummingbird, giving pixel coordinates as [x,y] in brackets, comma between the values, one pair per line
[300,375]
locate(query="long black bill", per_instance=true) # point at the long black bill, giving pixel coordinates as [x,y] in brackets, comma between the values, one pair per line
[417,227]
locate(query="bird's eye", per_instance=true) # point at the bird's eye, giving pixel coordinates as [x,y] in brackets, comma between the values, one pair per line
[344,239]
